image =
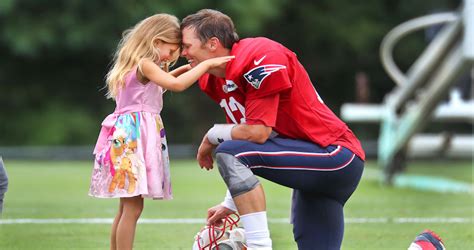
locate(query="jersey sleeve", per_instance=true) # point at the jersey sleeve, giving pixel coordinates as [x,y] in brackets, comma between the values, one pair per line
[267,74]
[262,111]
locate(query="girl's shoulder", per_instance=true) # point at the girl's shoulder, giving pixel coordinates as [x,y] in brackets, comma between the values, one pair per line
[131,75]
[129,81]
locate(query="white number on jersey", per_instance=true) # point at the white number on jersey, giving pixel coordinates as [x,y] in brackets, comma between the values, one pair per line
[231,107]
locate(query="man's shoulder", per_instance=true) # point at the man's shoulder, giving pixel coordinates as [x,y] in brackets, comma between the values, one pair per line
[260,43]
[251,50]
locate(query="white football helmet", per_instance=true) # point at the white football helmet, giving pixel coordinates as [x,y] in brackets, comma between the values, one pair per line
[226,237]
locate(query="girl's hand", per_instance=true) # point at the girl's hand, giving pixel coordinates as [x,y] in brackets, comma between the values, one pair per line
[186,67]
[218,61]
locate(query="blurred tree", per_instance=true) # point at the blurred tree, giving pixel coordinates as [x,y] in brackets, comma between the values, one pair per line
[335,39]
[55,54]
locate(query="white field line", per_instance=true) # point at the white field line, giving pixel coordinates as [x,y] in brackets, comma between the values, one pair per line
[449,220]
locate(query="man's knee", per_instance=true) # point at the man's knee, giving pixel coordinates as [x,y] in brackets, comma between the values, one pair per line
[238,177]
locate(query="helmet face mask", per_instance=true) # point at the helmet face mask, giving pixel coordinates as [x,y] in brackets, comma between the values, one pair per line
[225,237]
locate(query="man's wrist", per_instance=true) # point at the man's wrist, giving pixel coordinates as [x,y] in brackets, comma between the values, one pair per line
[220,133]
[228,202]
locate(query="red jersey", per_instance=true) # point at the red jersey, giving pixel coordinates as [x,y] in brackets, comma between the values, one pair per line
[266,84]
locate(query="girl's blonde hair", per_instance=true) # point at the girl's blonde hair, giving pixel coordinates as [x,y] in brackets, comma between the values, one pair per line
[139,43]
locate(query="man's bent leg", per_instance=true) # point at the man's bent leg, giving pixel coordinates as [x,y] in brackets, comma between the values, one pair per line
[318,221]
[251,202]
[249,198]
[323,177]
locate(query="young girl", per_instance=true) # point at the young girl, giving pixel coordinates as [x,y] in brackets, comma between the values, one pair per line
[131,158]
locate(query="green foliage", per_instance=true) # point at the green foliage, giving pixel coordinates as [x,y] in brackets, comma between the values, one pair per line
[335,39]
[63,48]
[59,52]
[30,26]
[57,124]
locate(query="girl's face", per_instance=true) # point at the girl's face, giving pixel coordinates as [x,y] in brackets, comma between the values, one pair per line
[167,50]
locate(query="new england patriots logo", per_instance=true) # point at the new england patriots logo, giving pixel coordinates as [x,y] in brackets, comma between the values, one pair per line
[256,75]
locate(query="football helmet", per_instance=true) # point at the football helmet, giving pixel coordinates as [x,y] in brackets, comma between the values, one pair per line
[228,236]
[427,240]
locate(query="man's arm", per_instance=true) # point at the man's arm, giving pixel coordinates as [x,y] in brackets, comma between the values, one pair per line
[254,133]
[204,154]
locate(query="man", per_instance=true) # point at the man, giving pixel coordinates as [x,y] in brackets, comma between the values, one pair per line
[278,128]
[3,183]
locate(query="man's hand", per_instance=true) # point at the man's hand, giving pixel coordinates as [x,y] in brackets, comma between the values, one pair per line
[204,155]
[216,213]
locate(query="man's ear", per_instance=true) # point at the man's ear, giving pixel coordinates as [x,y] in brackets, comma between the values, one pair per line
[213,43]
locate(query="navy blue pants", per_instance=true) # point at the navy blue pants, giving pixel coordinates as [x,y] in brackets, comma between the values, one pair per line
[322,180]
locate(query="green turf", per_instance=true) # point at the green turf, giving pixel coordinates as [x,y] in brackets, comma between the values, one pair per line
[59,190]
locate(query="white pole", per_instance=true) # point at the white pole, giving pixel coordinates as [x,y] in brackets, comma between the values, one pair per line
[468,19]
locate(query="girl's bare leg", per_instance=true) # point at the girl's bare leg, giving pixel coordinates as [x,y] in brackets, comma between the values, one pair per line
[113,234]
[125,233]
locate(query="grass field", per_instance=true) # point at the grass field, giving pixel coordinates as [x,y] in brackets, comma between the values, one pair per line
[377,217]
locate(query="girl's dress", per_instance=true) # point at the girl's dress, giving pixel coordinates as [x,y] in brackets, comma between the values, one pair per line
[131,154]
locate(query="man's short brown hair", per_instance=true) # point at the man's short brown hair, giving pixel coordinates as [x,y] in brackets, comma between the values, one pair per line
[212,23]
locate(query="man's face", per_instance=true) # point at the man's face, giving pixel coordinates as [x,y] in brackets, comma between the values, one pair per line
[193,49]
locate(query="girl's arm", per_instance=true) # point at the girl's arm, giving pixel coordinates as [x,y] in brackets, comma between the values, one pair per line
[180,70]
[152,72]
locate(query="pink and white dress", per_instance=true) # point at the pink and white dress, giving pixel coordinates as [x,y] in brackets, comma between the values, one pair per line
[131,154]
